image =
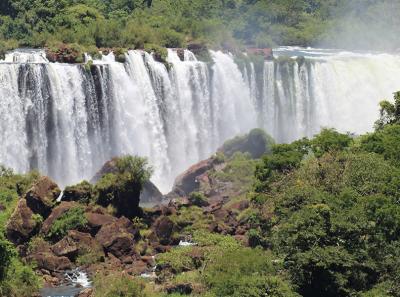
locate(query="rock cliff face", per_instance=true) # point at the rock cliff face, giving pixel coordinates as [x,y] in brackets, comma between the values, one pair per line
[22,224]
[42,196]
[203,176]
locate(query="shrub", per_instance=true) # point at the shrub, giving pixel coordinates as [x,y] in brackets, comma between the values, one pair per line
[21,281]
[116,285]
[246,272]
[330,140]
[198,199]
[7,252]
[385,141]
[172,39]
[178,259]
[122,188]
[73,219]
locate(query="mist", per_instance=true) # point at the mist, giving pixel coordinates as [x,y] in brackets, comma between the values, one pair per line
[364,25]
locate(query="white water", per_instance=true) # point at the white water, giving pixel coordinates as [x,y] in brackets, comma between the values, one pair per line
[67,121]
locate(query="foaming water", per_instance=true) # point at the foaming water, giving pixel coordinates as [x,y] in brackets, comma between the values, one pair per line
[66,120]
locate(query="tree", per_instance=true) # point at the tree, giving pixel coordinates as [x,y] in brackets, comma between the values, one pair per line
[389,113]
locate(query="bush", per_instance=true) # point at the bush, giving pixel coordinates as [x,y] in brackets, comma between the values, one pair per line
[73,219]
[256,143]
[329,140]
[122,188]
[246,272]
[172,39]
[117,285]
[21,281]
[198,199]
[7,252]
[385,141]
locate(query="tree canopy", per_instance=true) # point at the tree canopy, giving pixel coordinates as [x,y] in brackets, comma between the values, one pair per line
[218,23]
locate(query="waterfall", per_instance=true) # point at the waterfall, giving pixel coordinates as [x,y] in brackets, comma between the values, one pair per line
[311,89]
[67,120]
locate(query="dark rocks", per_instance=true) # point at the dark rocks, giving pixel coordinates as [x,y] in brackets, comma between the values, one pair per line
[65,53]
[42,196]
[181,53]
[117,237]
[188,181]
[81,193]
[267,53]
[163,229]
[86,293]
[150,193]
[97,220]
[77,243]
[108,167]
[256,143]
[201,52]
[181,289]
[23,224]
[55,214]
[50,262]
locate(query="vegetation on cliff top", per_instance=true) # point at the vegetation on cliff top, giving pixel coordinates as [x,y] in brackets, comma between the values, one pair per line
[221,24]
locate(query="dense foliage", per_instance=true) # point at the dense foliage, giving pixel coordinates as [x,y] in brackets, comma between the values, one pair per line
[329,207]
[172,23]
[16,278]
[73,219]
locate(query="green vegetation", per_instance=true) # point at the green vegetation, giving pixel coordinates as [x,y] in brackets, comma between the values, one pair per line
[223,24]
[329,207]
[220,266]
[117,285]
[122,188]
[16,278]
[256,143]
[73,219]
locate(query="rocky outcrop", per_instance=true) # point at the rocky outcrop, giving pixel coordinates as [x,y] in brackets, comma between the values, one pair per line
[42,196]
[86,293]
[150,193]
[77,243]
[65,53]
[267,53]
[117,237]
[50,262]
[256,143]
[55,214]
[189,181]
[201,51]
[23,224]
[98,220]
[163,228]
[82,193]
[180,288]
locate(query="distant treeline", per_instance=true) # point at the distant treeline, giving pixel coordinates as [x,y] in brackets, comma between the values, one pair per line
[217,23]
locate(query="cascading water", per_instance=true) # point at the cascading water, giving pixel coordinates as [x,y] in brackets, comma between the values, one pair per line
[66,120]
[305,90]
